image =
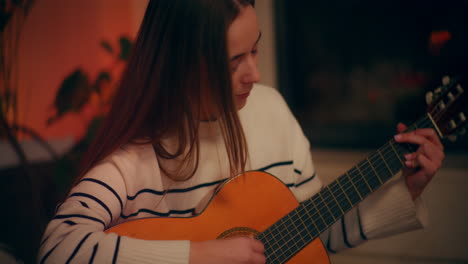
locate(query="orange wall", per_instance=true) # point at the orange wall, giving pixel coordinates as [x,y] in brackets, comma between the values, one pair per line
[58,37]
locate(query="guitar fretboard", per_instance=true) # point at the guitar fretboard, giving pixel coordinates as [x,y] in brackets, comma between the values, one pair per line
[312,217]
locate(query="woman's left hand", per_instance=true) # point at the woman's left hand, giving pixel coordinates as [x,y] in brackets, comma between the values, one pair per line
[421,165]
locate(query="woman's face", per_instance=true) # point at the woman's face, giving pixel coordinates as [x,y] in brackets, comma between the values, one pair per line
[242,39]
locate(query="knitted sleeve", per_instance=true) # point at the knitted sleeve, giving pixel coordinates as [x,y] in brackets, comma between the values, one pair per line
[76,232]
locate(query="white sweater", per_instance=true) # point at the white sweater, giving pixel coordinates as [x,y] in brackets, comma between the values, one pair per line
[129,185]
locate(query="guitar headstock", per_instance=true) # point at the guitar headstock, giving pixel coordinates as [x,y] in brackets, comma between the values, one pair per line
[448,108]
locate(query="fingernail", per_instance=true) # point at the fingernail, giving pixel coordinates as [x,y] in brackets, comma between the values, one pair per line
[408,163]
[397,137]
[407,156]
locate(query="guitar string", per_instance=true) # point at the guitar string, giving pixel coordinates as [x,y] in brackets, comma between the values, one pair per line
[365,169]
[362,172]
[330,198]
[315,214]
[289,248]
[332,192]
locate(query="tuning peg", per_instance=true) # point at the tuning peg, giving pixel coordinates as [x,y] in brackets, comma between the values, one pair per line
[451,97]
[429,97]
[452,138]
[452,124]
[462,116]
[445,80]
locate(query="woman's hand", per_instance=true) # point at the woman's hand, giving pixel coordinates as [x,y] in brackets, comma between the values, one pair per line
[229,251]
[421,165]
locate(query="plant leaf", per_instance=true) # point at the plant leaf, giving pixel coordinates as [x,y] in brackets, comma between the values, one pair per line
[73,94]
[103,76]
[107,46]
[125,48]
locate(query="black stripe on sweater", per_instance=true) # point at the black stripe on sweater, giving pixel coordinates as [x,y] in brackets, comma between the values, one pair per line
[361,232]
[177,212]
[69,222]
[107,187]
[116,252]
[48,254]
[175,190]
[94,199]
[80,216]
[95,248]
[345,235]
[301,183]
[282,163]
[78,248]
[306,180]
[329,243]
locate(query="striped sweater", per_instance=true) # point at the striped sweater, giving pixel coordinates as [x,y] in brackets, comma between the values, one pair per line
[129,185]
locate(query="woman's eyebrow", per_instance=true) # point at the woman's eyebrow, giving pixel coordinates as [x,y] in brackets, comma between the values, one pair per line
[242,54]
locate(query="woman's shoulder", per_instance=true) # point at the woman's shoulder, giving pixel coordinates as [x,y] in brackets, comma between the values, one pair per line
[131,158]
[262,92]
[266,102]
[131,165]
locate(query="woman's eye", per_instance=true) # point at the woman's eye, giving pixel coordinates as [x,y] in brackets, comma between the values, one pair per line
[234,67]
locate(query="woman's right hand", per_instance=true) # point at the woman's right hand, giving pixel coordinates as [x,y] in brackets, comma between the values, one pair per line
[230,251]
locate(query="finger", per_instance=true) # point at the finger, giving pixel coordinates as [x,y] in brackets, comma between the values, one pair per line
[432,152]
[412,164]
[258,246]
[419,136]
[411,156]
[427,165]
[431,135]
[410,137]
[259,258]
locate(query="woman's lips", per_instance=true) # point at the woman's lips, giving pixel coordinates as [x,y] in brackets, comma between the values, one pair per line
[244,95]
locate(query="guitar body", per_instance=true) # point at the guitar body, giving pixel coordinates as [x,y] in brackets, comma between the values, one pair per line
[245,205]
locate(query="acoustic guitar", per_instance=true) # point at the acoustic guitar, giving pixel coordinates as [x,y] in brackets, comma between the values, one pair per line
[256,203]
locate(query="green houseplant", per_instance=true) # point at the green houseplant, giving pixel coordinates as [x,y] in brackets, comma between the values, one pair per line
[78,90]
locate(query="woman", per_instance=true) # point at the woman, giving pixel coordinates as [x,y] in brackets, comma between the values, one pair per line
[186,117]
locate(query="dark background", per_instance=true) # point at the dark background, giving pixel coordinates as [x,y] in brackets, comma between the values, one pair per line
[351,70]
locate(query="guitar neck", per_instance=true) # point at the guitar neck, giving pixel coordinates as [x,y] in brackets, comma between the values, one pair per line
[312,217]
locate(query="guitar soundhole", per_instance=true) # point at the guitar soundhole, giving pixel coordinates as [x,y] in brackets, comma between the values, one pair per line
[238,232]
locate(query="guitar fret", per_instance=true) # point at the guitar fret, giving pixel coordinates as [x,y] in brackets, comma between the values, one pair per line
[344,193]
[292,232]
[309,236]
[293,221]
[375,171]
[310,218]
[324,202]
[334,198]
[368,171]
[396,153]
[359,182]
[321,224]
[347,174]
[322,210]
[335,208]
[353,196]
[381,166]
[363,177]
[386,164]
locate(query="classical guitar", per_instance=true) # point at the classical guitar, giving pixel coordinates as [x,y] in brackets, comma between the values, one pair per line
[258,203]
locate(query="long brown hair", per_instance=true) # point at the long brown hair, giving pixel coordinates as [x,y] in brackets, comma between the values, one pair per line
[179,59]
